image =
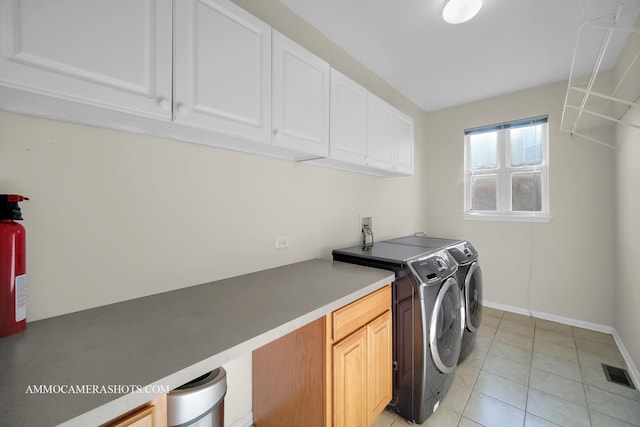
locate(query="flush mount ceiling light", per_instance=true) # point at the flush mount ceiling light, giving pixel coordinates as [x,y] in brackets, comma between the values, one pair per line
[459,11]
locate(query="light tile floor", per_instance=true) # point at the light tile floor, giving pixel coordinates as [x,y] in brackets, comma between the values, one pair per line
[527,372]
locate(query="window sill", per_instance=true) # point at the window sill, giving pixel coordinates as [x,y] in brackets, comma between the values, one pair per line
[506,218]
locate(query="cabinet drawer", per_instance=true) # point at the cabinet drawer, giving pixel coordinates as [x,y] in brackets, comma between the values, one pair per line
[152,414]
[142,418]
[357,314]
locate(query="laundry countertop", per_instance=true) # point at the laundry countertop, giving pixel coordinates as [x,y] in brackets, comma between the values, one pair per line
[163,340]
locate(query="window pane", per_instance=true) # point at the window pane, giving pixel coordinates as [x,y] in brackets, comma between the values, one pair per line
[526,192]
[526,146]
[484,153]
[483,193]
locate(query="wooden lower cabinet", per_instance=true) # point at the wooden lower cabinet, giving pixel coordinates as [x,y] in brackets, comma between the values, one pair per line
[151,414]
[379,365]
[288,379]
[350,381]
[333,372]
[362,365]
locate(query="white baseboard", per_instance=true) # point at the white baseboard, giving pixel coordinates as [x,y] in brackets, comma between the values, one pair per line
[548,316]
[245,421]
[505,307]
[573,322]
[631,367]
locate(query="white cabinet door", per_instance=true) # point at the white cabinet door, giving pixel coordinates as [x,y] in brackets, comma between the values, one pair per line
[404,140]
[222,80]
[114,54]
[300,98]
[380,143]
[348,120]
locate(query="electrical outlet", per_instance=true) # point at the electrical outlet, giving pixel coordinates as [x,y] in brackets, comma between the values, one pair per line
[282,242]
[365,220]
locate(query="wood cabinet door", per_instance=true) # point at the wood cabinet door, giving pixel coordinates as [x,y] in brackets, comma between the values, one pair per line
[115,54]
[349,381]
[348,120]
[222,69]
[289,379]
[379,365]
[300,98]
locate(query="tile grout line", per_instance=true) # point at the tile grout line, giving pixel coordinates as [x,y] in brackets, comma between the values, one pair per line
[584,383]
[526,400]
[584,386]
[572,337]
[558,375]
[581,365]
[530,386]
[480,370]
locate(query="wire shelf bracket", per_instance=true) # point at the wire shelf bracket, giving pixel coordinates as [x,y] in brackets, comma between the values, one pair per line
[604,83]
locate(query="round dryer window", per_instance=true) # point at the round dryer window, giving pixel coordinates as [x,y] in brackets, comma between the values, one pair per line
[473,297]
[445,331]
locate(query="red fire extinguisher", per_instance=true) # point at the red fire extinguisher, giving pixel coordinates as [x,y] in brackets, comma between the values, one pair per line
[13,277]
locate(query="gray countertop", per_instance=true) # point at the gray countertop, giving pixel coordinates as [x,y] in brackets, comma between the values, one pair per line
[163,340]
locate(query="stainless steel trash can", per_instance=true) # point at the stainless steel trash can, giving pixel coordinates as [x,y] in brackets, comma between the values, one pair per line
[198,403]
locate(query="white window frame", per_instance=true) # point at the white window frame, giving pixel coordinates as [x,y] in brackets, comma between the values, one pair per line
[504,172]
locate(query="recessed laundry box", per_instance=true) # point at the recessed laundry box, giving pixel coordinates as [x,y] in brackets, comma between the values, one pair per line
[198,403]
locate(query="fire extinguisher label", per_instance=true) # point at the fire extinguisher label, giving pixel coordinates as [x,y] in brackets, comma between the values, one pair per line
[21,297]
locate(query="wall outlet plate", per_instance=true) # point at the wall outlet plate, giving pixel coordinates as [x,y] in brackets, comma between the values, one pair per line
[282,242]
[365,220]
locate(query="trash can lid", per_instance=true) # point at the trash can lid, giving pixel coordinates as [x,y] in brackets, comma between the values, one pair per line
[203,379]
[197,398]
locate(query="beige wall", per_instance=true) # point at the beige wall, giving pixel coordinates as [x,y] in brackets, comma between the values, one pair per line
[563,268]
[627,295]
[116,215]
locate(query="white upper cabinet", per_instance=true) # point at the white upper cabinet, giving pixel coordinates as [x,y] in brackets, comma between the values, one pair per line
[367,134]
[114,54]
[404,139]
[300,98]
[222,79]
[203,71]
[380,121]
[348,120]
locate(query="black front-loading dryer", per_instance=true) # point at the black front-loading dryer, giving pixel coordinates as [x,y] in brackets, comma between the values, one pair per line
[428,318]
[469,278]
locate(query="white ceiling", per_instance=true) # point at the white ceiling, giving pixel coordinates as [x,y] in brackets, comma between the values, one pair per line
[509,46]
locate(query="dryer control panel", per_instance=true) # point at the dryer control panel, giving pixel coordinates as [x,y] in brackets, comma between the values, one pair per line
[464,253]
[434,268]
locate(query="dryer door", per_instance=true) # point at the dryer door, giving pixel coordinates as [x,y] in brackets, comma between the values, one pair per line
[445,328]
[473,296]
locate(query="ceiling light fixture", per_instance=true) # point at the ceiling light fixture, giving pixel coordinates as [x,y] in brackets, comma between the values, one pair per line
[459,11]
